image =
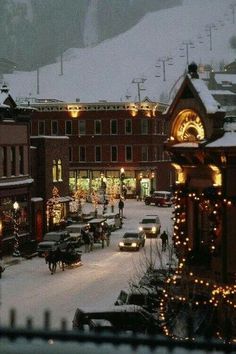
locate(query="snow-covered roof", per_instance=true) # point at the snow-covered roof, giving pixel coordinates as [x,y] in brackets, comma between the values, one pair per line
[187,144]
[211,105]
[227,140]
[16,183]
[229,137]
[3,98]
[222,92]
[224,77]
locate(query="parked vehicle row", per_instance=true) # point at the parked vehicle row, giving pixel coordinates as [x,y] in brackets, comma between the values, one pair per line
[99,229]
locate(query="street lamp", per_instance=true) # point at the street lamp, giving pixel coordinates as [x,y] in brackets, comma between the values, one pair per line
[122,177]
[16,251]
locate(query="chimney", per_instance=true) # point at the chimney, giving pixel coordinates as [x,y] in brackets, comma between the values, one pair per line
[192,70]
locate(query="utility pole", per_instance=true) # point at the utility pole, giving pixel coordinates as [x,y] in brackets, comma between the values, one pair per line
[61,63]
[232,6]
[209,28]
[163,61]
[187,45]
[37,79]
[138,82]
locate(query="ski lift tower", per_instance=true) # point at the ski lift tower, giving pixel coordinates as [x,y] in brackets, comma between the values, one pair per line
[139,82]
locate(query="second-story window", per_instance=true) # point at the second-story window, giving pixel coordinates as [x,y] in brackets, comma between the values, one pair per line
[21,160]
[113,127]
[41,127]
[97,127]
[114,154]
[54,127]
[13,161]
[128,126]
[4,161]
[81,127]
[70,154]
[98,154]
[82,154]
[144,126]
[128,153]
[144,153]
[68,127]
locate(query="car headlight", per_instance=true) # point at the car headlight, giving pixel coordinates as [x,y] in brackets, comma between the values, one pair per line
[121,244]
[154,229]
[140,228]
[133,244]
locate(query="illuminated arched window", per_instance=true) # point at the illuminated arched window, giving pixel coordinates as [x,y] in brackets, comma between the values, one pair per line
[54,171]
[59,170]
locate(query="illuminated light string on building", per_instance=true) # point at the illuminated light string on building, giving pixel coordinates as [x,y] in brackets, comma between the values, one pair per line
[217,294]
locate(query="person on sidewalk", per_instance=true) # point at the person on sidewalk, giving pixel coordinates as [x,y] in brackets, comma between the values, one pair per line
[2,266]
[164,240]
[121,207]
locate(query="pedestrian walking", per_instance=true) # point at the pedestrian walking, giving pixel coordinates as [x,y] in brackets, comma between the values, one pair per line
[86,239]
[164,240]
[121,207]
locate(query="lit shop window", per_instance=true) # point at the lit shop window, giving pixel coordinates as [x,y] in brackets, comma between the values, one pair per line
[57,170]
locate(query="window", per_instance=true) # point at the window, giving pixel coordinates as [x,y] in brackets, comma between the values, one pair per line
[128,126]
[154,153]
[13,161]
[81,127]
[82,155]
[68,127]
[128,153]
[98,154]
[113,127]
[4,161]
[97,127]
[54,171]
[54,127]
[144,126]
[57,170]
[70,154]
[114,154]
[144,153]
[41,127]
[21,160]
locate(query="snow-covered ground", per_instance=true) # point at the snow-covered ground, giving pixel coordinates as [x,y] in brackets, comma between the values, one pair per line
[106,71]
[31,289]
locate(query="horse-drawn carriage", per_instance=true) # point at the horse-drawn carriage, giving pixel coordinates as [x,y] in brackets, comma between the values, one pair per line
[62,258]
[100,231]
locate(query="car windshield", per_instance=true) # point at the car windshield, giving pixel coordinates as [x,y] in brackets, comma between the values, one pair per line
[52,237]
[148,221]
[131,235]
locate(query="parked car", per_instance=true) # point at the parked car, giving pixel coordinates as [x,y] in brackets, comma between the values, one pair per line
[52,240]
[74,231]
[113,220]
[121,318]
[159,198]
[151,225]
[132,240]
[148,298]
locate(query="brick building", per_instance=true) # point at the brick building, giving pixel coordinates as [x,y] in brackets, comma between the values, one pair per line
[15,178]
[109,142]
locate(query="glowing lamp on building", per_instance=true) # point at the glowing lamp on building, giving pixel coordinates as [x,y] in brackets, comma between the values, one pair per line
[188,127]
[217,176]
[73,110]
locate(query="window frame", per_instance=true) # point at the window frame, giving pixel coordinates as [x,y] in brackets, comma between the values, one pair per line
[126,153]
[97,131]
[116,153]
[52,128]
[113,129]
[127,132]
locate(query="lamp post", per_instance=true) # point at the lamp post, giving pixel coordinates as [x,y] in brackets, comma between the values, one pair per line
[16,251]
[122,177]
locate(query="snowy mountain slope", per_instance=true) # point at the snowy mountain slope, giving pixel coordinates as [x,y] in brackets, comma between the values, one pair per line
[106,71]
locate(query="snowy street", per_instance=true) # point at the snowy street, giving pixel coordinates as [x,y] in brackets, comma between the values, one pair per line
[31,289]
